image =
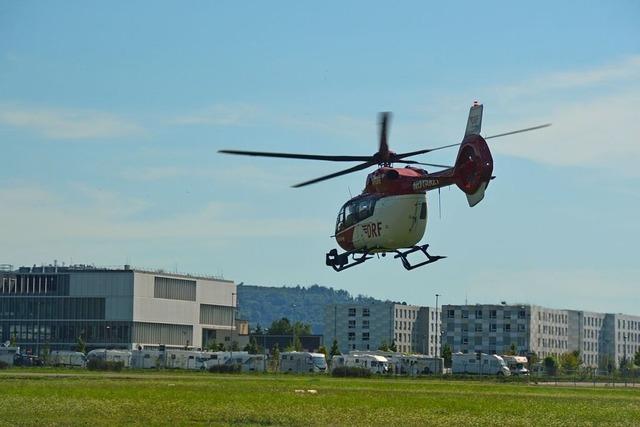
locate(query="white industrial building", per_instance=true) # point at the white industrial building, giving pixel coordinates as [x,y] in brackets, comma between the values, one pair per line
[113,307]
[601,338]
[413,329]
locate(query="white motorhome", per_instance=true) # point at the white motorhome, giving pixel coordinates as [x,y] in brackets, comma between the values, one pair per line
[186,359]
[375,363]
[478,363]
[416,364]
[67,358]
[247,362]
[8,354]
[516,364]
[123,356]
[147,359]
[302,362]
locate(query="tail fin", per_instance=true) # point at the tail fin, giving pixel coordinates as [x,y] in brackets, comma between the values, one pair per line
[474,123]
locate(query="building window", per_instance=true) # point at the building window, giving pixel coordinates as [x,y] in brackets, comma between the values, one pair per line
[522,314]
[352,324]
[465,314]
[352,336]
[172,288]
[365,324]
[365,312]
[478,314]
[507,327]
[478,327]
[465,340]
[492,314]
[493,327]
[451,314]
[521,328]
[477,341]
[365,336]
[507,315]
[352,312]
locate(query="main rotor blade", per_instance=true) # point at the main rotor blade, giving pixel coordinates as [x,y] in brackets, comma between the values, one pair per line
[428,150]
[333,175]
[413,162]
[546,125]
[298,156]
[383,147]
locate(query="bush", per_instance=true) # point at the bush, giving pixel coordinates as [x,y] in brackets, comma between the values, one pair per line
[4,365]
[104,365]
[225,369]
[351,371]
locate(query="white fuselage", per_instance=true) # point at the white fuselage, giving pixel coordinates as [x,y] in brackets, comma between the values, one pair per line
[397,221]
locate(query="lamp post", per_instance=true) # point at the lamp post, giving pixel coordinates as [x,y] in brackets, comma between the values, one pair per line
[233,320]
[108,336]
[436,334]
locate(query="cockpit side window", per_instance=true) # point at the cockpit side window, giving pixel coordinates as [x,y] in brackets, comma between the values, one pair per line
[340,220]
[350,214]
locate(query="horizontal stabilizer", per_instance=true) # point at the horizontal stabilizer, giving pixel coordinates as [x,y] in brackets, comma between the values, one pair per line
[477,197]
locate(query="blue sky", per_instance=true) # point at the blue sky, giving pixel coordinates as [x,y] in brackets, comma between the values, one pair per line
[111,117]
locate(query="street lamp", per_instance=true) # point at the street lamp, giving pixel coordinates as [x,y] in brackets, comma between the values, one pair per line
[108,336]
[233,319]
[436,334]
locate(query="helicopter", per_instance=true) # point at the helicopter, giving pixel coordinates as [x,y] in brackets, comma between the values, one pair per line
[390,215]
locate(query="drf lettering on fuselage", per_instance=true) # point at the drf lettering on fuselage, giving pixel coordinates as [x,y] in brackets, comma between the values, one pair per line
[424,184]
[372,229]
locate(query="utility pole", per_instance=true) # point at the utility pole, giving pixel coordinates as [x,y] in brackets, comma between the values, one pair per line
[436,334]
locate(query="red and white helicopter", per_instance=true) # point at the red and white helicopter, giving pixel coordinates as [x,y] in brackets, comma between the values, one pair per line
[390,215]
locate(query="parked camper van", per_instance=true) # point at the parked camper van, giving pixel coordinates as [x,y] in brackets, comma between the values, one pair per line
[302,362]
[247,362]
[123,356]
[375,363]
[416,364]
[67,358]
[8,354]
[516,364]
[478,363]
[147,359]
[186,359]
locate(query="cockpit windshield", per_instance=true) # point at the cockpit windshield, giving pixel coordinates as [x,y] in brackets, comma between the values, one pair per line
[355,211]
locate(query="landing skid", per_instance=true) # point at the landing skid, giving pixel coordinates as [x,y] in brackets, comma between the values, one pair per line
[341,261]
[405,262]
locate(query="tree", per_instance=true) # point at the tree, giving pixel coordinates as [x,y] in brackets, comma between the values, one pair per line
[275,359]
[13,341]
[550,365]
[513,350]
[285,327]
[335,350]
[384,346]
[46,352]
[252,346]
[297,344]
[323,350]
[393,347]
[81,345]
[532,360]
[233,346]
[636,358]
[570,361]
[446,355]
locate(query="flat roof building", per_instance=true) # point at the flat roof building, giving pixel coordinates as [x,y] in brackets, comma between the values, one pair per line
[412,328]
[113,307]
[601,338]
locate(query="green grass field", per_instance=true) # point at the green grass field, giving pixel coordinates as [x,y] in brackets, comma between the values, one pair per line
[75,397]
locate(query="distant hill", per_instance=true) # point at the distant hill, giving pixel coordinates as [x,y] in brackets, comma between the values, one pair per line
[264,304]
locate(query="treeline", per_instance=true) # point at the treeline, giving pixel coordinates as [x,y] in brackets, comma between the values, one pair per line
[262,305]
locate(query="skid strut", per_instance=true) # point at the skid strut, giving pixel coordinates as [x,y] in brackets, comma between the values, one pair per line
[342,261]
[405,262]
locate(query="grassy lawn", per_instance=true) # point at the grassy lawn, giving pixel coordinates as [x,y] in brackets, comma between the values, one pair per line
[29,397]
